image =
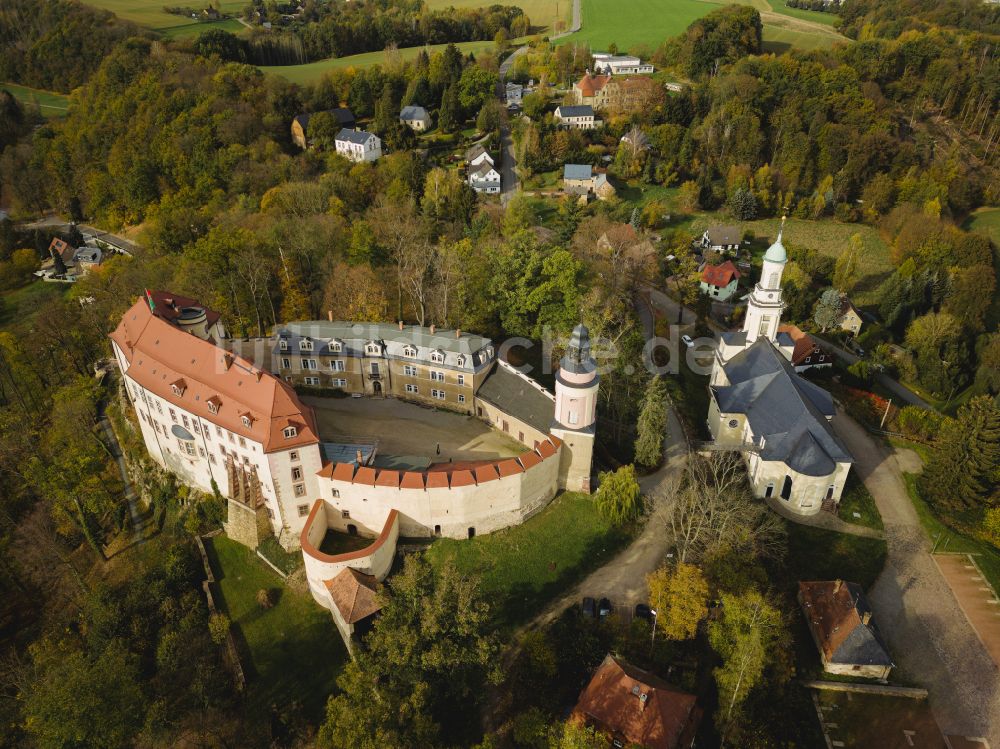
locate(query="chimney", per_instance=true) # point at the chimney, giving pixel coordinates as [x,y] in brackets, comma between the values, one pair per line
[458,332]
[837,585]
[432,328]
[258,374]
[643,699]
[227,361]
[400,324]
[866,617]
[329,315]
[359,458]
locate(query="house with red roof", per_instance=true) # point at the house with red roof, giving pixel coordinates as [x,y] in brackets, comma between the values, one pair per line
[806,353]
[720,281]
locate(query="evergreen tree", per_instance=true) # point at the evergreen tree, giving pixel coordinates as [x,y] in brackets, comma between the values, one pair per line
[450,113]
[652,421]
[827,309]
[965,466]
[743,204]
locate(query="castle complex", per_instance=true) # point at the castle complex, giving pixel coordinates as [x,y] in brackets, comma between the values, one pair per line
[223,424]
[763,408]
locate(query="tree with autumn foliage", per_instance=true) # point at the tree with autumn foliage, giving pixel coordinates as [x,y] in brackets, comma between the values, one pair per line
[679,595]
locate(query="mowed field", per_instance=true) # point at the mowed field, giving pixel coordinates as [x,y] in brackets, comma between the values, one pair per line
[543,13]
[985,221]
[311,72]
[50,104]
[649,22]
[150,14]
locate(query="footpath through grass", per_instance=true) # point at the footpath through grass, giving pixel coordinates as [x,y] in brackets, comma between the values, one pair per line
[50,104]
[525,566]
[291,652]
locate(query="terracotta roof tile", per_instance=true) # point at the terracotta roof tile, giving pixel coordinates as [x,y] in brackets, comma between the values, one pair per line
[719,275]
[437,480]
[529,459]
[462,478]
[354,594]
[343,471]
[412,480]
[388,478]
[486,473]
[365,475]
[509,467]
[546,449]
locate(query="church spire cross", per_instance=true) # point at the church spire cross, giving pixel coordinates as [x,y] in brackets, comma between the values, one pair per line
[782,227]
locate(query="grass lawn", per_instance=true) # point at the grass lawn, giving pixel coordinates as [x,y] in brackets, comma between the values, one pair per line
[985,221]
[946,539]
[819,554]
[649,22]
[50,104]
[311,72]
[857,499]
[543,13]
[525,566]
[547,181]
[295,652]
[150,13]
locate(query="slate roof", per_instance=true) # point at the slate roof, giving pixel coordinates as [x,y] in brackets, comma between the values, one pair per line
[482,170]
[578,110]
[476,151]
[638,707]
[343,115]
[515,395]
[724,235]
[353,593]
[577,171]
[354,136]
[836,611]
[413,112]
[786,410]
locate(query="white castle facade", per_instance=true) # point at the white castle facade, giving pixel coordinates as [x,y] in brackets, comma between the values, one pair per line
[222,424]
[761,407]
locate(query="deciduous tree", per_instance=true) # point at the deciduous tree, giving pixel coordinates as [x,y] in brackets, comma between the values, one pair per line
[679,595]
[619,498]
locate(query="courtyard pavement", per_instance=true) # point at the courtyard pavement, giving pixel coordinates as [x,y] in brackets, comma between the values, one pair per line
[406,429]
[929,636]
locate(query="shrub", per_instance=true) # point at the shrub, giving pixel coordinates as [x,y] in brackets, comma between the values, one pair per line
[265,599]
[919,424]
[218,628]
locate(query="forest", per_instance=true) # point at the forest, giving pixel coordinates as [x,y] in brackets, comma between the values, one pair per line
[186,146]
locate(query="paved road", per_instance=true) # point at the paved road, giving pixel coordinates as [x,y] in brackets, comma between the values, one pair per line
[575,25]
[57,223]
[900,391]
[508,176]
[929,636]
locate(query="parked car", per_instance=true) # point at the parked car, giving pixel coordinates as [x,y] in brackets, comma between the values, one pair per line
[688,341]
[604,608]
[588,607]
[642,611]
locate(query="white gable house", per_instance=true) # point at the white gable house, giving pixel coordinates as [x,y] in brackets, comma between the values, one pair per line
[357,145]
[576,117]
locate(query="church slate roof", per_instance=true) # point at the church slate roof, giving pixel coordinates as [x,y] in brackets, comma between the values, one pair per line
[790,413]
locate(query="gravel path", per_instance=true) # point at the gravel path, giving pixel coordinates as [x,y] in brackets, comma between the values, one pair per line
[929,636]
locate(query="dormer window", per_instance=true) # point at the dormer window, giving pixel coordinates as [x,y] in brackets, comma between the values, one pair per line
[213,404]
[336,347]
[283,344]
[410,351]
[372,348]
[290,432]
[461,360]
[306,345]
[178,387]
[437,356]
[247,420]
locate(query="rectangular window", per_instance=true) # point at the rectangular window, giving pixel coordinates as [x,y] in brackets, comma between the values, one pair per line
[300,490]
[439,394]
[437,376]
[461,379]
[306,345]
[374,368]
[461,398]
[412,389]
[309,364]
[572,417]
[303,510]
[173,415]
[184,418]
[232,438]
[283,344]
[337,365]
[195,428]
[293,455]
[218,431]
[286,363]
[409,370]
[296,474]
[208,434]
[201,452]
[339,382]
[211,458]
[345,514]
[312,380]
[243,442]
[765,323]
[336,493]
[159,407]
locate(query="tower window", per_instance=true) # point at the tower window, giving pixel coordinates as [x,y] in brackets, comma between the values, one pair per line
[772,282]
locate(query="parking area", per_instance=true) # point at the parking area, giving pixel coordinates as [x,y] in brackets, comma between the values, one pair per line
[406,429]
[868,721]
[977,599]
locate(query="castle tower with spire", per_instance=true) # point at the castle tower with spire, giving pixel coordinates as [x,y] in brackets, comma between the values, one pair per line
[577,383]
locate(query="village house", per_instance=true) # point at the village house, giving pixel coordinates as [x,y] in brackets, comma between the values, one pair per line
[633,707]
[840,621]
[484,178]
[478,155]
[850,319]
[720,281]
[576,117]
[358,146]
[722,239]
[635,139]
[583,180]
[589,90]
[806,353]
[514,94]
[760,407]
[300,125]
[608,64]
[416,118]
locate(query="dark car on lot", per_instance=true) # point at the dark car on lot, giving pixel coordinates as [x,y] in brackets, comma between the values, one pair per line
[642,611]
[589,607]
[604,608]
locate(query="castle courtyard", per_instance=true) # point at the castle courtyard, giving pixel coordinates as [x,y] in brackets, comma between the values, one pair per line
[406,429]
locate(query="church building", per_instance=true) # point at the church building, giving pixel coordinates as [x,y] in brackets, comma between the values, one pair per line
[761,407]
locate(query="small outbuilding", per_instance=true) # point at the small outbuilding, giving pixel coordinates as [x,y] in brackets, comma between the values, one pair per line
[416,118]
[722,239]
[355,604]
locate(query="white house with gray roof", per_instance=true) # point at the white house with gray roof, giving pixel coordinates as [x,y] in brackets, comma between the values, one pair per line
[762,408]
[416,118]
[358,146]
[576,117]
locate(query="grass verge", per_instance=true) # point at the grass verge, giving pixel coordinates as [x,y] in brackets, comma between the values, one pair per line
[820,554]
[525,566]
[857,500]
[295,653]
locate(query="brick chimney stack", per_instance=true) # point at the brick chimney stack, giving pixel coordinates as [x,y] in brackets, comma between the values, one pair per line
[329,315]
[458,332]
[866,617]
[359,458]
[432,328]
[837,585]
[400,324]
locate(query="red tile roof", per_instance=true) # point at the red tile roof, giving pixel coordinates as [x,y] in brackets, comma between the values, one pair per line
[388,478]
[591,84]
[354,594]
[159,354]
[638,707]
[168,306]
[805,346]
[719,275]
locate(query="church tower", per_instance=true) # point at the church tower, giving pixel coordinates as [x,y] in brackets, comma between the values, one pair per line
[577,383]
[765,305]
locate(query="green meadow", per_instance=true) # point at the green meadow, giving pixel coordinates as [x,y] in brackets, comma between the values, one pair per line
[150,14]
[49,104]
